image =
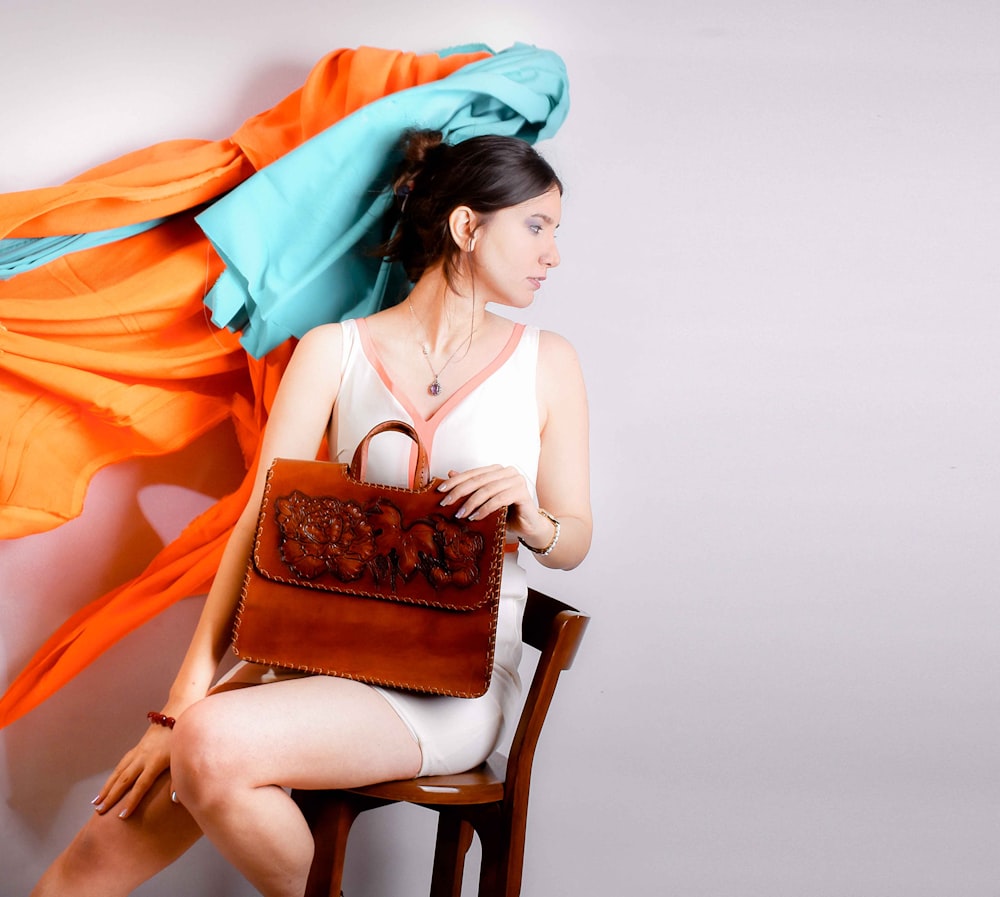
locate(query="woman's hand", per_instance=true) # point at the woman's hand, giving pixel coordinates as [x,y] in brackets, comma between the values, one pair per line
[135,773]
[478,492]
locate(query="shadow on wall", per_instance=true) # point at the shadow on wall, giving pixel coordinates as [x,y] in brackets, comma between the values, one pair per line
[132,510]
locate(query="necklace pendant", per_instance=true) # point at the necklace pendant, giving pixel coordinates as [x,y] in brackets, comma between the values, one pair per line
[435,388]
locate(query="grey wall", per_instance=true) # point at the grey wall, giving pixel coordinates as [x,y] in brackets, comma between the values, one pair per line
[780,271]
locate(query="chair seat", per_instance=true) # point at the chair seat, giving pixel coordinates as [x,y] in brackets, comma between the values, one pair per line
[482,785]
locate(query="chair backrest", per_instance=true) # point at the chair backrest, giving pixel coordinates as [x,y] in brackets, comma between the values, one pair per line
[556,630]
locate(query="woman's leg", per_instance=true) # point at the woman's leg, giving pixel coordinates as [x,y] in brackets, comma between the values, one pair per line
[236,751]
[110,857]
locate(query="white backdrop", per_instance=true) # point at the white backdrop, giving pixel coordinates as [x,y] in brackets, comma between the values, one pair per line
[780,271]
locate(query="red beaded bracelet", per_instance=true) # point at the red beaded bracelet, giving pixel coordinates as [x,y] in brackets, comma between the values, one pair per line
[161,719]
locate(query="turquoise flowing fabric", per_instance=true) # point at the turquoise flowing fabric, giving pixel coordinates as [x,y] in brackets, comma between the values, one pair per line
[18,254]
[296,236]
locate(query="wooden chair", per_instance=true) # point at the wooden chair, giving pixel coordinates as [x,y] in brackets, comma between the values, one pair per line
[490,800]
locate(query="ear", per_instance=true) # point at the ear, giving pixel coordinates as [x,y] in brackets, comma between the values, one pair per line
[462,223]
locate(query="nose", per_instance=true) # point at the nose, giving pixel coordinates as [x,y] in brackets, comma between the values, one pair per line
[551,256]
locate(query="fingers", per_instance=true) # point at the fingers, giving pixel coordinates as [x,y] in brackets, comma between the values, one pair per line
[479,492]
[132,778]
[117,785]
[135,795]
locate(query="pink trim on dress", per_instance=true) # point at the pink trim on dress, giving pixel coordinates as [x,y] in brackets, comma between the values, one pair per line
[427,427]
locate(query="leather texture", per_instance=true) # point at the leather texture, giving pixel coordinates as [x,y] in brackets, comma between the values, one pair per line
[371,582]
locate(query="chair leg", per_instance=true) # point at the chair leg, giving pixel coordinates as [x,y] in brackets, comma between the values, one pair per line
[502,842]
[514,836]
[330,817]
[454,837]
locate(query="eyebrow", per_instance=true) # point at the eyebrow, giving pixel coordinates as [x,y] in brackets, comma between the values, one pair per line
[544,218]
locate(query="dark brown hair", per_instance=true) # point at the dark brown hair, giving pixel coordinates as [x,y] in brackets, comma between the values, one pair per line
[485,173]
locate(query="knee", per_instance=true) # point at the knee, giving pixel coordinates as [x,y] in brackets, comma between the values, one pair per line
[205,763]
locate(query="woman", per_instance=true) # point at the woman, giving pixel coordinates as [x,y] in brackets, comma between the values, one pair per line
[502,411]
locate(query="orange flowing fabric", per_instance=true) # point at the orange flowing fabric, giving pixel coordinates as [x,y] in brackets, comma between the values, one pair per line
[107,353]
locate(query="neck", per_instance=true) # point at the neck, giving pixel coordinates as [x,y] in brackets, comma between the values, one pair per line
[444,317]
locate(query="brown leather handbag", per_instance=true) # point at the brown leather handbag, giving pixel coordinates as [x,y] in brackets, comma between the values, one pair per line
[371,582]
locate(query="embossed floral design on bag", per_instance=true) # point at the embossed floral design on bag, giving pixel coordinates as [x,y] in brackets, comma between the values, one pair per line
[324,535]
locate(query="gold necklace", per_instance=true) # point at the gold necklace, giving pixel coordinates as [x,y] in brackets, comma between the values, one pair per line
[435,386]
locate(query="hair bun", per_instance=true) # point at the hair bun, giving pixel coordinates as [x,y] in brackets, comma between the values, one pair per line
[417,146]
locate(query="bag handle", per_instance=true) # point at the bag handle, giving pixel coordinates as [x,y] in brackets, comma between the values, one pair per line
[422,474]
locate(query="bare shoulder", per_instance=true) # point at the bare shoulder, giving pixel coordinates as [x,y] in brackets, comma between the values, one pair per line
[556,356]
[323,345]
[562,394]
[323,336]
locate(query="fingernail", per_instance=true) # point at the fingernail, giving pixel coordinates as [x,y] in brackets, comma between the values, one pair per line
[173,797]
[123,814]
[96,800]
[99,808]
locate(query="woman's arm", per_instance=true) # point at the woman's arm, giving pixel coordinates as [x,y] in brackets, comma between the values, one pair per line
[563,484]
[295,429]
[564,464]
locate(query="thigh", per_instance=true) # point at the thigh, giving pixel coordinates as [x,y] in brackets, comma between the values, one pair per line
[307,732]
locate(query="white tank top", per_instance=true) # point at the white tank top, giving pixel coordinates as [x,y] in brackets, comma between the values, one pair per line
[492,419]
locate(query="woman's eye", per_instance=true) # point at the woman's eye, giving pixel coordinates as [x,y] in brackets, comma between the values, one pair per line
[535,228]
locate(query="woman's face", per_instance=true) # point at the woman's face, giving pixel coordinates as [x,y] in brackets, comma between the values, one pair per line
[513,250]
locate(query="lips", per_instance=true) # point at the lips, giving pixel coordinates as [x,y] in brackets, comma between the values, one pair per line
[536,281]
